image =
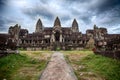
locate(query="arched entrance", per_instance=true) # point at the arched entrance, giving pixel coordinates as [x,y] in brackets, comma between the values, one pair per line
[57,36]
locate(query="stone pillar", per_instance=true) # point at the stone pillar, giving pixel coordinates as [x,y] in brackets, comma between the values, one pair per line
[52,38]
[60,37]
[42,41]
[32,42]
[24,42]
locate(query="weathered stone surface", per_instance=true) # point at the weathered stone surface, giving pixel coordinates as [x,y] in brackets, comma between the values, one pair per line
[58,69]
[57,22]
[39,26]
[64,38]
[75,26]
[90,43]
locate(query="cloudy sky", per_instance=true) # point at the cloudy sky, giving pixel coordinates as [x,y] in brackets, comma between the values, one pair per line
[103,13]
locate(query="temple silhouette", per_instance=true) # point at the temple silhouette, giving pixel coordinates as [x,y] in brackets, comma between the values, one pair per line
[57,37]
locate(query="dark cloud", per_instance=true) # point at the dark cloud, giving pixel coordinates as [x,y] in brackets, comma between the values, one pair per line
[86,19]
[37,11]
[108,5]
[3,4]
[77,1]
[5,23]
[105,13]
[2,24]
[110,17]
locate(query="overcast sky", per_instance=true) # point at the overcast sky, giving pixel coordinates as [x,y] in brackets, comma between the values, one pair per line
[103,13]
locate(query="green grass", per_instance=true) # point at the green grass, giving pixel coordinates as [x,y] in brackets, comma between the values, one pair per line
[23,66]
[100,66]
[9,64]
[78,52]
[107,67]
[28,65]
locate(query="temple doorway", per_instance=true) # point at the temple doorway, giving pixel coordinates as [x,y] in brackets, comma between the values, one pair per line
[57,36]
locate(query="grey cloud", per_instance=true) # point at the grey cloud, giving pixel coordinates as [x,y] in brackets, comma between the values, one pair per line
[2,25]
[117,30]
[108,4]
[5,22]
[38,11]
[106,12]
[65,18]
[86,19]
[110,17]
[77,1]
[3,4]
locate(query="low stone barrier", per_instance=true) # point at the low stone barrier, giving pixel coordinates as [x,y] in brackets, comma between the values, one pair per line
[110,54]
[6,52]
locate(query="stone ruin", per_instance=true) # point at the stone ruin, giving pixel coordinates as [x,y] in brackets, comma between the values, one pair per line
[58,37]
[9,42]
[52,38]
[106,44]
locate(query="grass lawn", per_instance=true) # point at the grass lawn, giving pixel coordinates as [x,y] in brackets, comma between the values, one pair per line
[27,65]
[88,66]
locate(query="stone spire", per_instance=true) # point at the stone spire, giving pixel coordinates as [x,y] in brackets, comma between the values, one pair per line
[95,27]
[57,22]
[39,26]
[75,26]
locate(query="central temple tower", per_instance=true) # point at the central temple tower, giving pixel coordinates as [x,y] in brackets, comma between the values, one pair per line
[57,31]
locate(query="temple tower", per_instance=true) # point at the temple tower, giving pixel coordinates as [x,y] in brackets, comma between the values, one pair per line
[57,31]
[39,26]
[75,26]
[57,22]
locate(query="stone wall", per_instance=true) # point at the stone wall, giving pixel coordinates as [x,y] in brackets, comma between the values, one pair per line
[110,54]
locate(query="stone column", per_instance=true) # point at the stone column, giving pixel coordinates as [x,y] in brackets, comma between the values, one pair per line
[24,42]
[42,41]
[60,37]
[52,38]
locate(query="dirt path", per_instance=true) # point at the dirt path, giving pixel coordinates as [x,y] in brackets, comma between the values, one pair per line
[58,69]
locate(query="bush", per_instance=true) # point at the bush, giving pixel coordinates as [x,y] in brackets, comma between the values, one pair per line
[58,49]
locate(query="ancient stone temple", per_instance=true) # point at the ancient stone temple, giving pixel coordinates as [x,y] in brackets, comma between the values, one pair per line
[53,37]
[57,37]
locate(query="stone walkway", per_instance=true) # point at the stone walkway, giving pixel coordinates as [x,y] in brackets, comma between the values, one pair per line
[58,69]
